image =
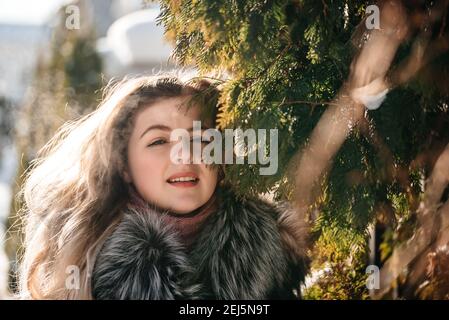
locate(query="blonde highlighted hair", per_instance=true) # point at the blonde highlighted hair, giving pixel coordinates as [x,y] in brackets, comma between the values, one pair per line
[74,191]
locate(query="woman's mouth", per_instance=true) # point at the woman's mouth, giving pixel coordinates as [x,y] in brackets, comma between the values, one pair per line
[183,180]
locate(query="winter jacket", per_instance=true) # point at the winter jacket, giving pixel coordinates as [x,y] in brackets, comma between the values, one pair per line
[238,254]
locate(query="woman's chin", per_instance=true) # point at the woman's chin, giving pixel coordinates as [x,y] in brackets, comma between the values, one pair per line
[185,209]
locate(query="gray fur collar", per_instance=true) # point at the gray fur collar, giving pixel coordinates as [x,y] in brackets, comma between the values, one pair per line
[238,254]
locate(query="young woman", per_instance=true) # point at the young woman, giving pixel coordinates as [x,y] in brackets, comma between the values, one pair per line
[111,215]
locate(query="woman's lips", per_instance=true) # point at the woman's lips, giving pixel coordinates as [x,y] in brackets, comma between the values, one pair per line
[183,179]
[184,184]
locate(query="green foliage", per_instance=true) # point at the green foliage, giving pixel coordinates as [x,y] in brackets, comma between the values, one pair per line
[287,58]
[343,282]
[341,255]
[278,52]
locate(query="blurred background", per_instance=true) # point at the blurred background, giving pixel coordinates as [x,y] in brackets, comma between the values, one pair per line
[62,52]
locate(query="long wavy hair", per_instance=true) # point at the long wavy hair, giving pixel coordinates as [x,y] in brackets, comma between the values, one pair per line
[74,190]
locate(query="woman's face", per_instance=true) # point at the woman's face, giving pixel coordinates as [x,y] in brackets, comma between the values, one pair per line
[150,167]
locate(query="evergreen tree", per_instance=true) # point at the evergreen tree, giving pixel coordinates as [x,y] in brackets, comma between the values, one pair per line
[289,63]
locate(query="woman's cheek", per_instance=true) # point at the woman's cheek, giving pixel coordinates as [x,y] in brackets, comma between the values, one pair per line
[154,166]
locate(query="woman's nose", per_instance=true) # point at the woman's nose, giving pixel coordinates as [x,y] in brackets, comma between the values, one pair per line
[184,155]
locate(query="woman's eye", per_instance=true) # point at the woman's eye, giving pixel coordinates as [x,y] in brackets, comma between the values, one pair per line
[157,143]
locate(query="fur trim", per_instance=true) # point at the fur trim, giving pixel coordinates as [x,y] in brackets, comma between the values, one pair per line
[295,235]
[240,254]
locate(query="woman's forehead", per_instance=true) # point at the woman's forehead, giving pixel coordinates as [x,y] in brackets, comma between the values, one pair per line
[171,112]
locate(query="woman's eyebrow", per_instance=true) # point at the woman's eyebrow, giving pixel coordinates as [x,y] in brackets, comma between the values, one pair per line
[162,127]
[155,126]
